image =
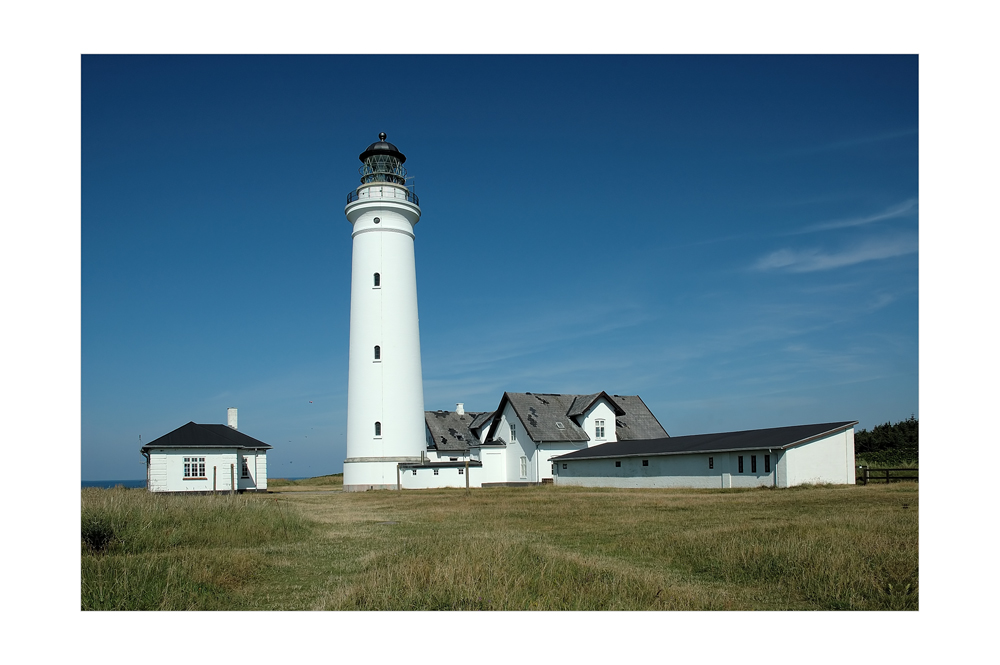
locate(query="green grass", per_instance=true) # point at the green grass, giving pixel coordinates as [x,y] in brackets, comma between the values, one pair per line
[526,548]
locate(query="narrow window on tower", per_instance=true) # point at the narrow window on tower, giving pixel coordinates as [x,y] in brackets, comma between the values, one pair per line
[378,280]
[378,352]
[378,428]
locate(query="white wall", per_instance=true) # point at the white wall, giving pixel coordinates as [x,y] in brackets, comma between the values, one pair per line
[600,410]
[551,449]
[167,469]
[257,464]
[494,469]
[424,478]
[826,460]
[522,446]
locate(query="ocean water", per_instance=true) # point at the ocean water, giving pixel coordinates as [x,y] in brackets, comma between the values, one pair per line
[108,484]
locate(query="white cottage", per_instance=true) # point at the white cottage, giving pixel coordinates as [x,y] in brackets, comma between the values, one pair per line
[776,457]
[206,458]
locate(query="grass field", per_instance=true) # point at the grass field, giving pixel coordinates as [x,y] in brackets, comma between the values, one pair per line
[528,548]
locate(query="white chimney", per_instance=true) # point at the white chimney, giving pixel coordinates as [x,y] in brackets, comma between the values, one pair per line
[231,415]
[460,408]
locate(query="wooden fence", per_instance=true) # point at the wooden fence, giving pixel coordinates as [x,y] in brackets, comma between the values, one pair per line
[866,475]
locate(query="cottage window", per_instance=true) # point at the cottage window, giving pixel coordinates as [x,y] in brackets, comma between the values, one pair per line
[378,428]
[245,473]
[711,463]
[435,472]
[618,463]
[753,464]
[524,466]
[741,463]
[461,471]
[564,466]
[194,467]
[378,280]
[414,472]
[767,464]
[645,462]
[599,429]
[513,433]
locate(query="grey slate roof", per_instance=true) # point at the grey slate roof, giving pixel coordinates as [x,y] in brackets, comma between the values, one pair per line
[481,420]
[638,421]
[775,438]
[450,431]
[541,411]
[193,435]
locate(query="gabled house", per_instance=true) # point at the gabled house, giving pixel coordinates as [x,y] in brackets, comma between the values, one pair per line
[206,458]
[535,427]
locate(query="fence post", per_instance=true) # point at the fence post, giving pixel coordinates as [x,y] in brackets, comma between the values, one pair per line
[215,475]
[866,475]
[232,479]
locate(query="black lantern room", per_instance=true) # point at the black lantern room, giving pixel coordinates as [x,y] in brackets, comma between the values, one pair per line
[382,162]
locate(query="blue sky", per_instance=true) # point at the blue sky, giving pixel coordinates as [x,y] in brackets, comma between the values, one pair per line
[735,239]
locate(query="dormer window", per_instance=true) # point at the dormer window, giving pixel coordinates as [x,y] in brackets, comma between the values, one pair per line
[599,429]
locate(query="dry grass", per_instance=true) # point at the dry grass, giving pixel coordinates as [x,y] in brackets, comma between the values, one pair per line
[554,548]
[323,483]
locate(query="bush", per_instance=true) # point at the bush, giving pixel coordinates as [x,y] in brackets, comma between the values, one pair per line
[97,532]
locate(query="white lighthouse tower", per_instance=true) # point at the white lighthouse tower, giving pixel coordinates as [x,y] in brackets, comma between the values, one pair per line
[385,397]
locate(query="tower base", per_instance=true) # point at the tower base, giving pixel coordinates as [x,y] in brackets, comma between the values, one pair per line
[373,473]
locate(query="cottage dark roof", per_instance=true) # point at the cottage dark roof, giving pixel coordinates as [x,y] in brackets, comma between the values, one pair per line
[193,435]
[451,431]
[775,438]
[638,421]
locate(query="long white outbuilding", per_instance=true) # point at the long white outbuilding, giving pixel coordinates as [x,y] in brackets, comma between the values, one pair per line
[775,457]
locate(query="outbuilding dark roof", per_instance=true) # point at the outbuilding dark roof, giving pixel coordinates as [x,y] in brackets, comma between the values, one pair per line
[193,435]
[451,431]
[775,438]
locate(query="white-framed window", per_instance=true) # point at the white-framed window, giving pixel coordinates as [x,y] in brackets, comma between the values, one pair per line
[194,467]
[513,432]
[245,473]
[414,472]
[599,428]
[524,466]
[435,472]
[461,472]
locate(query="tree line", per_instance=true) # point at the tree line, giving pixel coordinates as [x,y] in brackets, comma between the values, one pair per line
[888,444]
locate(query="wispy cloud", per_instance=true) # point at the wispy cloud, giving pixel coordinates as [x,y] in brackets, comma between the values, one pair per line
[903,209]
[811,260]
[847,144]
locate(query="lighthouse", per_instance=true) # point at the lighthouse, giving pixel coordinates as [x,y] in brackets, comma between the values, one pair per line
[385,398]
